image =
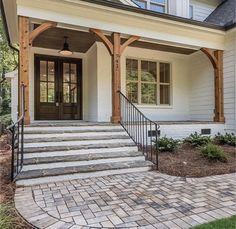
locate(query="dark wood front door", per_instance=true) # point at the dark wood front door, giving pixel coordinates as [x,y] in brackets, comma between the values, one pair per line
[58,84]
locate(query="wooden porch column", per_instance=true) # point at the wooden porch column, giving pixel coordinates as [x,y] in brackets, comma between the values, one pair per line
[26,39]
[216,58]
[24,62]
[115,49]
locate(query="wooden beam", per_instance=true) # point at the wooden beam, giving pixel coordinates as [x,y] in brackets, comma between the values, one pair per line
[128,42]
[24,61]
[43,27]
[216,58]
[219,88]
[104,39]
[116,75]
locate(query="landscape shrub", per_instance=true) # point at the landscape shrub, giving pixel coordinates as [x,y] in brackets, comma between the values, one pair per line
[229,139]
[165,144]
[213,152]
[197,140]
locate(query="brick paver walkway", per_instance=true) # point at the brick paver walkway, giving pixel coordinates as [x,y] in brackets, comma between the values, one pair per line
[136,200]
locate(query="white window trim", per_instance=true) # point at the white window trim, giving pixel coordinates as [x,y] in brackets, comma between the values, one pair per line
[157,105]
[148,3]
[193,6]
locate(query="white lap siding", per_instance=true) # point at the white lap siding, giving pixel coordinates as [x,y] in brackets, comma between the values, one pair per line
[230,82]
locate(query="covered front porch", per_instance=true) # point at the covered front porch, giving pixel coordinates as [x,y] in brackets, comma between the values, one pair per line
[184,76]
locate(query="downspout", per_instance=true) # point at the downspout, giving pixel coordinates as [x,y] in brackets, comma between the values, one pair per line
[3,14]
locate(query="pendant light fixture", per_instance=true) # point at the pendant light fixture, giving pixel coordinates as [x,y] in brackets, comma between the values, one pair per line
[65,50]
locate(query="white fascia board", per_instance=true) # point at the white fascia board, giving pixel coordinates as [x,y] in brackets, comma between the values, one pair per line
[125,22]
[11,18]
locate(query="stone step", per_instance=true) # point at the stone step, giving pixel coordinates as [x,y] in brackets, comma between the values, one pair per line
[35,138]
[58,170]
[63,123]
[55,165]
[74,176]
[77,145]
[71,129]
[46,158]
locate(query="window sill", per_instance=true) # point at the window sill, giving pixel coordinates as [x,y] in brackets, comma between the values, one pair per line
[155,106]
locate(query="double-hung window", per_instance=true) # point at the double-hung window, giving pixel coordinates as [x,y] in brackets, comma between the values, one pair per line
[148,82]
[154,5]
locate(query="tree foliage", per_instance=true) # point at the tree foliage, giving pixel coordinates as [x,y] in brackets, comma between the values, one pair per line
[8,63]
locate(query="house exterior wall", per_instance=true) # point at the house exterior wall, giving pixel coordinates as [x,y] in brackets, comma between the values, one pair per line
[201,90]
[230,81]
[203,8]
[179,108]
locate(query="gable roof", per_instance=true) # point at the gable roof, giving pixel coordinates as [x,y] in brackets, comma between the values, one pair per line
[224,14]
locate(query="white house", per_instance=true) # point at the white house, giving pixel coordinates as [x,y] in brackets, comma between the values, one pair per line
[172,62]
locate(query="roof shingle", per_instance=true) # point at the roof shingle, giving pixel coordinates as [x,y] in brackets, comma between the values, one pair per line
[224,14]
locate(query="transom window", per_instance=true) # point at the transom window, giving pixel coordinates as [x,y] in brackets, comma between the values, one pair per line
[148,82]
[154,5]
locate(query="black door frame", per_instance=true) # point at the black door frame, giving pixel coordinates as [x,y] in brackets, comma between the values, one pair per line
[58,70]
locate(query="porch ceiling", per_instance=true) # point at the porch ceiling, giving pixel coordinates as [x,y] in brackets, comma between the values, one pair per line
[81,41]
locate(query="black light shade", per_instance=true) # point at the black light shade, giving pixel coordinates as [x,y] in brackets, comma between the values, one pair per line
[66,50]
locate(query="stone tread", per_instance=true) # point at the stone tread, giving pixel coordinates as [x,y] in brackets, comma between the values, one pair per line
[82,157]
[83,169]
[76,147]
[73,138]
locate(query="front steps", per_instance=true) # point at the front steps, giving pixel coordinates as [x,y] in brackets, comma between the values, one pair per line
[60,151]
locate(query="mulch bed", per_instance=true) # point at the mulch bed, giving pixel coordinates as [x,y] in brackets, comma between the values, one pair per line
[188,162]
[7,188]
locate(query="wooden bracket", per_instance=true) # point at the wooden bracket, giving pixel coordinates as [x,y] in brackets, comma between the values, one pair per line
[43,27]
[104,39]
[210,54]
[128,42]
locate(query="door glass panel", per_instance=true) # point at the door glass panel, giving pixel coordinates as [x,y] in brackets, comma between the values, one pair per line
[43,72]
[43,92]
[51,93]
[66,92]
[51,72]
[73,93]
[73,73]
[66,72]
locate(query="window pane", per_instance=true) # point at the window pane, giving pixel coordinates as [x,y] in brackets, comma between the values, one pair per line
[159,1]
[164,73]
[148,71]
[73,93]
[66,92]
[148,93]
[51,93]
[131,70]
[43,71]
[157,8]
[141,3]
[66,72]
[73,73]
[51,71]
[132,92]
[165,94]
[43,92]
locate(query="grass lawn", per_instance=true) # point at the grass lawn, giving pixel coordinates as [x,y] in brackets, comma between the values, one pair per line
[228,223]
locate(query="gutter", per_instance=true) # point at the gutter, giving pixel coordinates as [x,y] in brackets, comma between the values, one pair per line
[155,14]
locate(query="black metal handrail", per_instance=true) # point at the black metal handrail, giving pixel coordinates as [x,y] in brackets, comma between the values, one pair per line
[17,138]
[142,130]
